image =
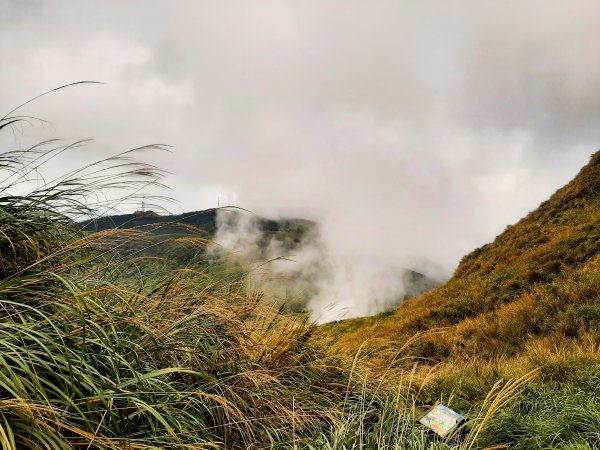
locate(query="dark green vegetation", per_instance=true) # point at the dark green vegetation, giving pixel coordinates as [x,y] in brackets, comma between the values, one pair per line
[183,240]
[205,222]
[199,220]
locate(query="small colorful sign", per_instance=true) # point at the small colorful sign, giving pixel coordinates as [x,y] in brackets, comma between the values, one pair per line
[442,420]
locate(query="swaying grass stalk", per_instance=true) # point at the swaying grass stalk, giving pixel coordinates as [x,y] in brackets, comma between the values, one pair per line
[500,394]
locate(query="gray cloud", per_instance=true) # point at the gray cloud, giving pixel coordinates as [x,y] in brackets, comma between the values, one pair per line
[413,131]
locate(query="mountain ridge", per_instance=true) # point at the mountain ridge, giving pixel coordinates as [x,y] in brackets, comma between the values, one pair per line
[204,220]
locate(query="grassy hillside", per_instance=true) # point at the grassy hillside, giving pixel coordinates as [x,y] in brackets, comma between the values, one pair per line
[540,276]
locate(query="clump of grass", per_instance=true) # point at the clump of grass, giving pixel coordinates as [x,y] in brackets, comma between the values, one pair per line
[559,410]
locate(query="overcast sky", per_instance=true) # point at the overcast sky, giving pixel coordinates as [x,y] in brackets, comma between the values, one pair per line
[413,131]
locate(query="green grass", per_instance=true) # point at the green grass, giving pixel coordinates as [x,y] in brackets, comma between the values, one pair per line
[562,411]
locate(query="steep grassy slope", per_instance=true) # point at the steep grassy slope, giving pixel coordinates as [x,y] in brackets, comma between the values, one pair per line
[539,276]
